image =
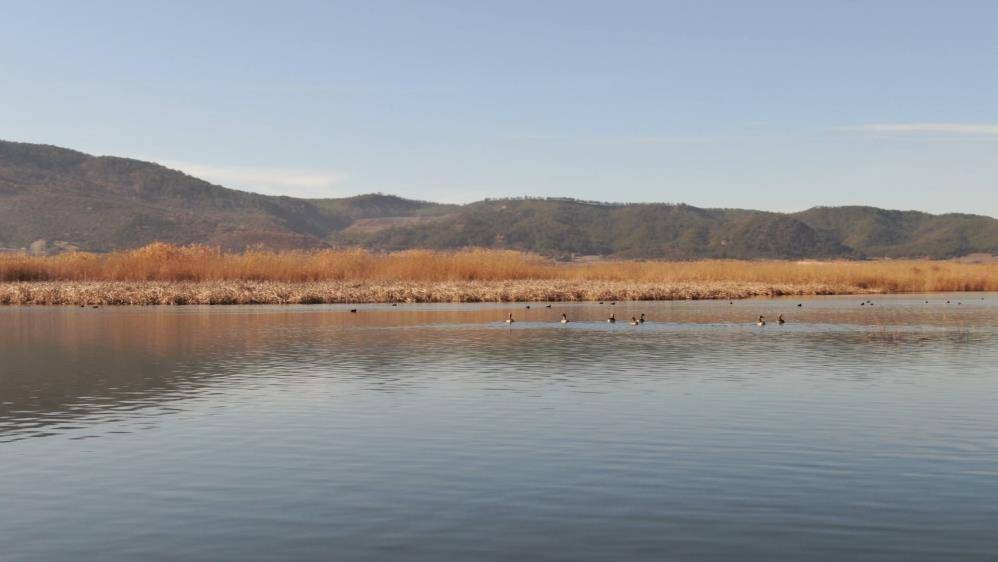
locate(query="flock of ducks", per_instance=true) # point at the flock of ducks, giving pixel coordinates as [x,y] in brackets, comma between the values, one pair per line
[638,320]
[635,321]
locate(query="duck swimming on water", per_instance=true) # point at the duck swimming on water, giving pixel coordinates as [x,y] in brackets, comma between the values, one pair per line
[564,318]
[642,319]
[611,319]
[762,321]
[509,319]
[634,321]
[780,320]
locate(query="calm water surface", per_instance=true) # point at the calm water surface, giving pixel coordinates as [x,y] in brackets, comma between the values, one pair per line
[440,433]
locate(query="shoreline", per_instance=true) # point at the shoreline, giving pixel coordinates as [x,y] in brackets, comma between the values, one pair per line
[180,293]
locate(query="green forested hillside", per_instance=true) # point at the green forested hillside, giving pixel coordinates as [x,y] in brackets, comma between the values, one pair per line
[684,232]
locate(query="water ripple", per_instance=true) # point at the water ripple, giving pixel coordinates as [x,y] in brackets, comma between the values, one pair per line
[440,432]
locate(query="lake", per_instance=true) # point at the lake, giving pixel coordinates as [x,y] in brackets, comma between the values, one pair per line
[438,432]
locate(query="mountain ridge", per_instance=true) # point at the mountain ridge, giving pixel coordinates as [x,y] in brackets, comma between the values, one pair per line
[54,198]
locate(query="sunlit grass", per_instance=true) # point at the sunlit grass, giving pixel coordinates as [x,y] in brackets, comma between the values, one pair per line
[469,275]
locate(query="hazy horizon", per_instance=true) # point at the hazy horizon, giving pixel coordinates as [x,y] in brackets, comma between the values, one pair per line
[775,106]
[523,196]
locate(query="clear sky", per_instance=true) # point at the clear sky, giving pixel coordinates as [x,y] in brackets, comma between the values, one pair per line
[769,105]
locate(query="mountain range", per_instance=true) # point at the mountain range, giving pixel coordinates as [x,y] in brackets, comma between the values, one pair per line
[54,199]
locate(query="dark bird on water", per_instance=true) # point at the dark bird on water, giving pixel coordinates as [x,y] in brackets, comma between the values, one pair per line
[353,311]
[634,321]
[509,319]
[642,319]
[762,321]
[799,305]
[611,319]
[528,307]
[547,306]
[395,304]
[564,318]
[780,320]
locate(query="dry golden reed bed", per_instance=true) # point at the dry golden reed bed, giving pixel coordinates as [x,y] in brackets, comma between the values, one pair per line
[164,274]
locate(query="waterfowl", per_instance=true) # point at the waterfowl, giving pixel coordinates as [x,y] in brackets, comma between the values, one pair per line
[611,319]
[547,306]
[509,319]
[642,319]
[601,302]
[762,321]
[527,307]
[634,321]
[353,311]
[564,318]
[395,304]
[614,303]
[799,305]
[780,320]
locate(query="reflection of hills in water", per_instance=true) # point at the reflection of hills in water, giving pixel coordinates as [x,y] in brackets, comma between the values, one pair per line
[63,367]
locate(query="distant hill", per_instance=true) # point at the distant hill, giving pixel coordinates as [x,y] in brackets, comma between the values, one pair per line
[54,198]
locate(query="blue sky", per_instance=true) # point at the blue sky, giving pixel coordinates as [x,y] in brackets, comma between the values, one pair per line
[770,105]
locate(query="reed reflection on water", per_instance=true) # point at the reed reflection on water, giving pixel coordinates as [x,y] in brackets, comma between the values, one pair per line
[440,432]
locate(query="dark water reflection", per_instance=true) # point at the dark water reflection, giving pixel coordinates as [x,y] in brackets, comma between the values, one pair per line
[438,432]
